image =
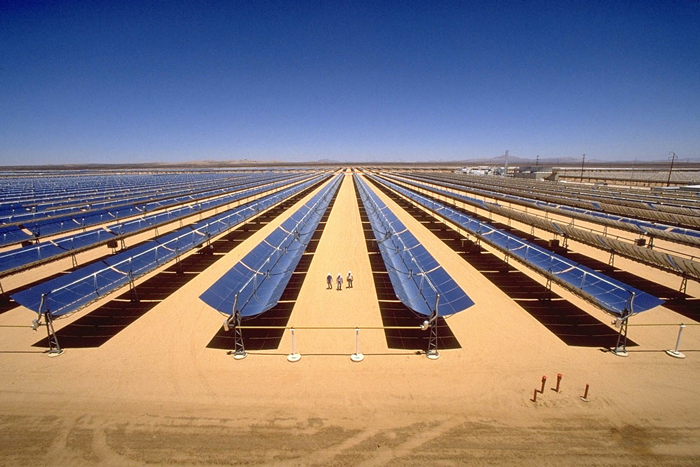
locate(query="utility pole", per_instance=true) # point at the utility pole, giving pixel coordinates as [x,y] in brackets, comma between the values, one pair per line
[537,161]
[673,157]
[583,161]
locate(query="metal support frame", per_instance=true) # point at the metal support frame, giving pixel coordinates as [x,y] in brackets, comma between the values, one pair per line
[132,289]
[548,286]
[621,322]
[432,352]
[684,285]
[54,347]
[621,347]
[208,249]
[611,261]
[239,349]
[650,245]
[235,320]
[178,263]
[74,260]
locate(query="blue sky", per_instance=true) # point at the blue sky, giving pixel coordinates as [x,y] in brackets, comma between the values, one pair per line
[98,81]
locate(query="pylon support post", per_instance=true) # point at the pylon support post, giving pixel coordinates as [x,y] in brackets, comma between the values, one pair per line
[54,347]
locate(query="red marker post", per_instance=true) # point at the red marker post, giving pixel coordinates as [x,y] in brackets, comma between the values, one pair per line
[584,398]
[534,396]
[558,381]
[544,380]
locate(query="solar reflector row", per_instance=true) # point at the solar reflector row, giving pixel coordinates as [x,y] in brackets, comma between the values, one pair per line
[418,279]
[496,184]
[72,291]
[667,232]
[611,295]
[80,187]
[13,234]
[672,263]
[256,283]
[682,266]
[61,224]
[636,175]
[148,199]
[26,256]
[662,201]
[65,196]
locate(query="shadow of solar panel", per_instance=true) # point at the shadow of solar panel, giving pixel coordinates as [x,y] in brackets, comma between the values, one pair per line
[371,243]
[375,258]
[312,246]
[686,306]
[382,284]
[6,303]
[397,314]
[257,339]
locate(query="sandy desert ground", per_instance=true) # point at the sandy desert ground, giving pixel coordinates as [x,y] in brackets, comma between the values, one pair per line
[157,393]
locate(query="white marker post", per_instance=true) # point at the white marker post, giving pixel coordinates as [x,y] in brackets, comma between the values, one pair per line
[294,356]
[675,353]
[357,356]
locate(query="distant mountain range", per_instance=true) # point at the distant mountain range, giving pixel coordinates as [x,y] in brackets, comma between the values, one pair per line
[515,160]
[486,161]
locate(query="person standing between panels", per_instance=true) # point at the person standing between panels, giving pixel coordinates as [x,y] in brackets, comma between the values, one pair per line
[339,279]
[349,280]
[329,281]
